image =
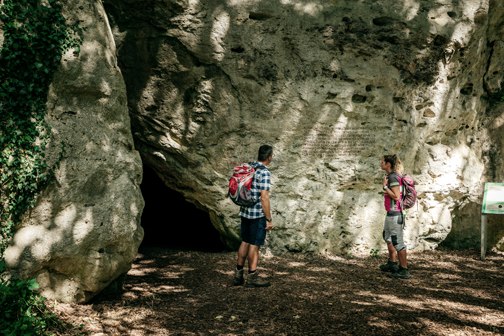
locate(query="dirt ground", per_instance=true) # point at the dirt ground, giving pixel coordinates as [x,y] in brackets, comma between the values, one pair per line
[171,292]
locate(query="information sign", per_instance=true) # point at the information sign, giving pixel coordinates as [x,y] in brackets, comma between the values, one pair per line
[493,203]
[493,199]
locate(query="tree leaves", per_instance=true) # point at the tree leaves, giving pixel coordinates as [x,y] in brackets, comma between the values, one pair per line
[35,37]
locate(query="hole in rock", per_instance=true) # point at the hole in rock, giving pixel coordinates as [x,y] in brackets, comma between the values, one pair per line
[170,221]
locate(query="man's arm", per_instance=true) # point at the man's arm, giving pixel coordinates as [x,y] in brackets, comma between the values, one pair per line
[265,202]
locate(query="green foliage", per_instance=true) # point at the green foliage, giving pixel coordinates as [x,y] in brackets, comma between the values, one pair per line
[24,312]
[374,253]
[35,37]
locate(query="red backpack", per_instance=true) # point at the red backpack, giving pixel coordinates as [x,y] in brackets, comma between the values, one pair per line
[240,185]
[409,193]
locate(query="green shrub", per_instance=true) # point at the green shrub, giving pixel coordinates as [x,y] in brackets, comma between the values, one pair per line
[24,311]
[35,36]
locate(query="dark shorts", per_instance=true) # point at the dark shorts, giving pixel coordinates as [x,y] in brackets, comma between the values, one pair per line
[253,231]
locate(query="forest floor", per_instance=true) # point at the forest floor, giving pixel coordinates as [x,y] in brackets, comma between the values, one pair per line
[169,292]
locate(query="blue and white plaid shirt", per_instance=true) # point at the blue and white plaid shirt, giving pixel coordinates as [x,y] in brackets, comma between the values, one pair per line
[262,181]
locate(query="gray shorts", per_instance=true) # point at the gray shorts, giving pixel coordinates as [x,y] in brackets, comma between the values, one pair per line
[393,231]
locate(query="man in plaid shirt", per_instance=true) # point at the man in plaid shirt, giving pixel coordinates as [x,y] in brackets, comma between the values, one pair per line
[255,221]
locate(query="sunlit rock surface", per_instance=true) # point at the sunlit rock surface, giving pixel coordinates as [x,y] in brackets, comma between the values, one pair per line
[332,85]
[85,230]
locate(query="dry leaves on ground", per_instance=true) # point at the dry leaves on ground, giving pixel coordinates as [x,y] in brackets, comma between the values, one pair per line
[171,292]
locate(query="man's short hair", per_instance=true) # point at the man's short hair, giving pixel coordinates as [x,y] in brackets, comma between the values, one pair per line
[264,152]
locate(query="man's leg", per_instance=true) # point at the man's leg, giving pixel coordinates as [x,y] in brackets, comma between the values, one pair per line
[243,253]
[253,279]
[253,257]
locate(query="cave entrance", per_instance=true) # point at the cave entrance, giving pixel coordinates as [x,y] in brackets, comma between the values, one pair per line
[171,222]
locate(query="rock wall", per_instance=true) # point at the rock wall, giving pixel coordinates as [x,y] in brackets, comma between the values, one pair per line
[332,85]
[84,232]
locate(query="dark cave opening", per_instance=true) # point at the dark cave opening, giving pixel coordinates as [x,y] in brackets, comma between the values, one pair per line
[169,221]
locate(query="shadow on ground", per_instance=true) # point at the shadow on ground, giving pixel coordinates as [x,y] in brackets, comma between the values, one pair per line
[171,292]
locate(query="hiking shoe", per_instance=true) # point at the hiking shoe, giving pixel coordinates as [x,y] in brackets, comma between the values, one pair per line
[253,280]
[402,273]
[238,279]
[390,266]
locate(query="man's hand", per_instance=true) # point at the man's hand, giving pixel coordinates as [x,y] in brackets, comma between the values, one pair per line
[269,225]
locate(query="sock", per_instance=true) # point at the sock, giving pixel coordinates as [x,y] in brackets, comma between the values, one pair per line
[250,271]
[239,268]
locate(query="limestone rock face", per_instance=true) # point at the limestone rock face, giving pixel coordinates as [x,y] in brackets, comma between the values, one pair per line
[333,86]
[85,230]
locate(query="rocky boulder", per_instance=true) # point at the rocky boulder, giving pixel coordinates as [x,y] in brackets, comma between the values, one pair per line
[84,231]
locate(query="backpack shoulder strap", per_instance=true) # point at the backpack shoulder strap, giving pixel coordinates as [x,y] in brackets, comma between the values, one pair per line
[258,166]
[402,190]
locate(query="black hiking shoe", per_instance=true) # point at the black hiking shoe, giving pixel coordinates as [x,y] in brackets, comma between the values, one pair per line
[253,280]
[390,266]
[402,273]
[238,279]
